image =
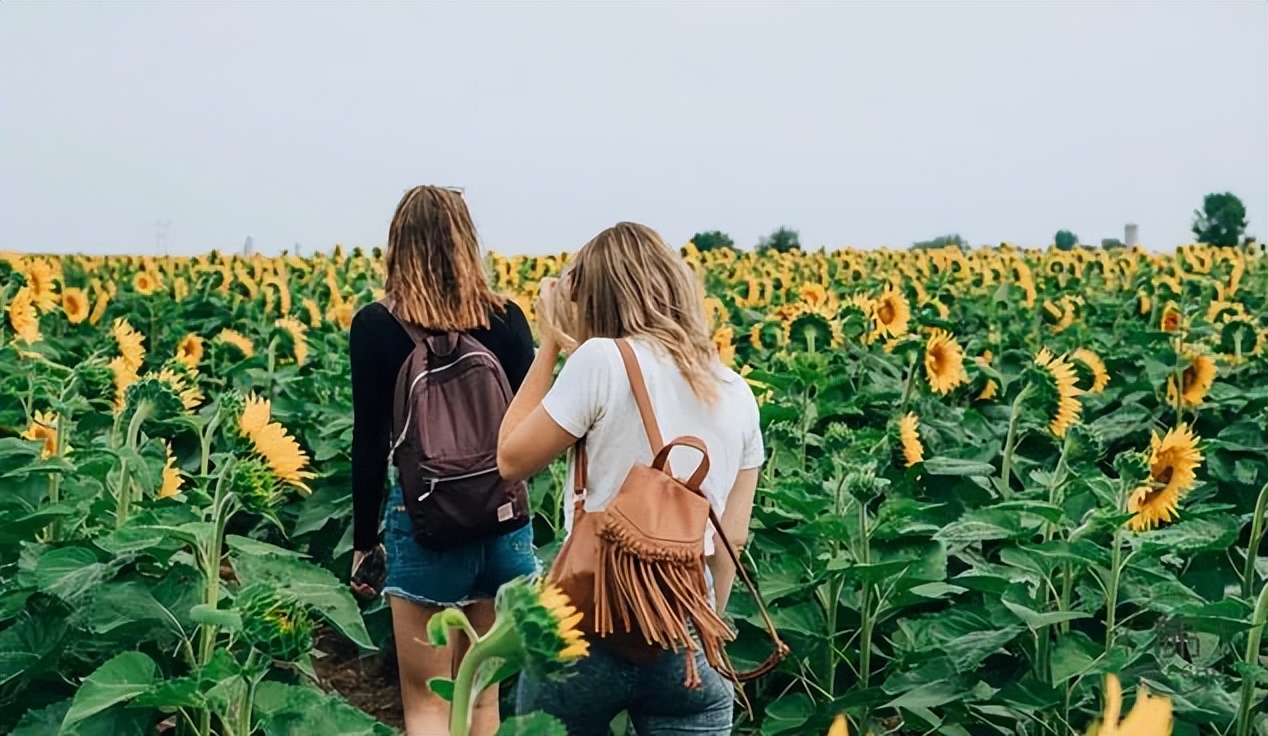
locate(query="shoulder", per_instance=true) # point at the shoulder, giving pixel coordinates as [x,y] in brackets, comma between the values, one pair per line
[597,352]
[371,317]
[737,394]
[507,317]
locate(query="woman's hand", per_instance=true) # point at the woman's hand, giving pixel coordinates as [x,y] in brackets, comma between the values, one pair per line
[550,321]
[363,585]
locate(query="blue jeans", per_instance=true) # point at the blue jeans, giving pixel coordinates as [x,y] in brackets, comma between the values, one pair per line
[600,686]
[451,577]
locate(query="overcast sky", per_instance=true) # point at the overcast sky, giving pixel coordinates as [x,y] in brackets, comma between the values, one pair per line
[861,124]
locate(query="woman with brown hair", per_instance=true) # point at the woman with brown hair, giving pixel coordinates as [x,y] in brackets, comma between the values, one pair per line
[435,283]
[634,312]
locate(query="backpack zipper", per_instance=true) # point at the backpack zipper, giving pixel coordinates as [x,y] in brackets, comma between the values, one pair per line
[433,482]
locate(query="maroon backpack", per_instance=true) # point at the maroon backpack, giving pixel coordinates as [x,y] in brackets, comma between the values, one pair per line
[451,395]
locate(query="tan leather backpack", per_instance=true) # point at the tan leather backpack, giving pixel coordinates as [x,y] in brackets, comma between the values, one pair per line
[636,570]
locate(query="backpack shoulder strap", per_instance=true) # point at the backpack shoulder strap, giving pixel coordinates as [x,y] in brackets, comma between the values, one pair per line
[440,343]
[641,398]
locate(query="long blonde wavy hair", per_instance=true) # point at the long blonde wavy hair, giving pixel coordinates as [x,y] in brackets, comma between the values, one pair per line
[627,282]
[433,273]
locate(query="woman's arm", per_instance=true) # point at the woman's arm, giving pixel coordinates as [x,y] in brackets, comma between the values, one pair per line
[735,522]
[529,438]
[371,422]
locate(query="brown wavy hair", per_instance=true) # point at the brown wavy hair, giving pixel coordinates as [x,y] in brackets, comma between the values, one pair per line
[434,276]
[628,282]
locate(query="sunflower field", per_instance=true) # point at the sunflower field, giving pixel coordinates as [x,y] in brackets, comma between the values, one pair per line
[997,480]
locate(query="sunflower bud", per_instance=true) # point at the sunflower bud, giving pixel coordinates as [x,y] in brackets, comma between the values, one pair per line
[256,486]
[96,381]
[864,484]
[165,403]
[1132,468]
[232,403]
[274,622]
[1084,446]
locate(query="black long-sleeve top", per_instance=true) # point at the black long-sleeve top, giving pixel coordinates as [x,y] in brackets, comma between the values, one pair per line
[378,346]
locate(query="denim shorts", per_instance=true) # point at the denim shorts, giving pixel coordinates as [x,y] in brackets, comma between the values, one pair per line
[452,577]
[601,685]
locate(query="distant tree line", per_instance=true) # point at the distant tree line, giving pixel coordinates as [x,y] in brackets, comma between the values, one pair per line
[1220,222]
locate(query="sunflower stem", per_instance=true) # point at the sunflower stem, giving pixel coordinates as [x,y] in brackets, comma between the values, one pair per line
[1252,549]
[1246,710]
[911,382]
[210,558]
[1116,571]
[55,479]
[499,638]
[869,620]
[1010,441]
[204,464]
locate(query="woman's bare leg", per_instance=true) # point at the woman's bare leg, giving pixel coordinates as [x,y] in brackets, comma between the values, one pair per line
[426,714]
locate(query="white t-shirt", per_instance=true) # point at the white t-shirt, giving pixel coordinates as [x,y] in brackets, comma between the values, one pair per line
[592,398]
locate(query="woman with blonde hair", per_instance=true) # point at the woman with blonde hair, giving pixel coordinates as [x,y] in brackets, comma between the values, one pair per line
[435,286]
[631,312]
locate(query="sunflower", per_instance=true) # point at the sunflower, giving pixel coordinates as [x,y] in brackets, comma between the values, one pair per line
[190,350]
[813,295]
[536,626]
[1195,381]
[171,476]
[131,344]
[283,292]
[812,328]
[1149,716]
[944,362]
[1061,389]
[1173,462]
[23,318]
[314,312]
[909,435]
[566,619]
[1026,280]
[237,340]
[183,383]
[342,313]
[724,342]
[991,389]
[99,307]
[1238,337]
[1167,286]
[145,283]
[124,376]
[75,305]
[891,314]
[715,311]
[271,442]
[1060,317]
[839,726]
[1144,304]
[295,330]
[43,427]
[1093,363]
[256,413]
[42,276]
[1220,308]
[1172,320]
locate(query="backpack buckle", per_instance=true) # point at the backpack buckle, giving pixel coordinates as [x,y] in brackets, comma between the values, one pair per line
[431,486]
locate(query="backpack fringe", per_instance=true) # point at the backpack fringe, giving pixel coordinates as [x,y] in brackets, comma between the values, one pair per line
[660,590]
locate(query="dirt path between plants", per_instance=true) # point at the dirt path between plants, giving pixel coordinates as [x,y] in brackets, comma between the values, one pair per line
[370,683]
